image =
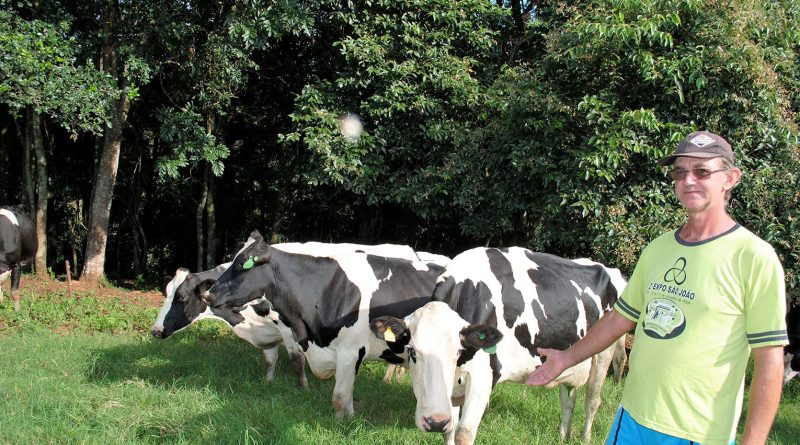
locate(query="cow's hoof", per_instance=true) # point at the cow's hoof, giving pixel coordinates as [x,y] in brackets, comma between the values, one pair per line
[464,437]
[303,382]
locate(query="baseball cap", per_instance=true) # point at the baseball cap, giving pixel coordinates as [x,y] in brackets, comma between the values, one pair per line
[701,144]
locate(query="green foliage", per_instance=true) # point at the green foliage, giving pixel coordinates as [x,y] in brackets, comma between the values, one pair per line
[39,69]
[183,131]
[621,83]
[413,72]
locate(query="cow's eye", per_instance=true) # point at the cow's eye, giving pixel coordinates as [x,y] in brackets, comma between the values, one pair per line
[412,354]
[183,298]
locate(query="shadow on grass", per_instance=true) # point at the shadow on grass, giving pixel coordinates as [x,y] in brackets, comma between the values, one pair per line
[244,405]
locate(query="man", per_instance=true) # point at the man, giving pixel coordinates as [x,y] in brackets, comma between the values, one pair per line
[700,298]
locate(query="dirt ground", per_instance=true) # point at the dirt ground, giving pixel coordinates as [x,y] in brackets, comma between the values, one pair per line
[42,285]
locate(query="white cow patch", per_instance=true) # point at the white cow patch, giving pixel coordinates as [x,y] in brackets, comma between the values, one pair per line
[10,215]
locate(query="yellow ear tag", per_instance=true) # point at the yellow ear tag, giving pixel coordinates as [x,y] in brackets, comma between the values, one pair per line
[388,335]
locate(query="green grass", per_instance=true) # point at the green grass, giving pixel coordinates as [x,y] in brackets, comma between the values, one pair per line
[100,379]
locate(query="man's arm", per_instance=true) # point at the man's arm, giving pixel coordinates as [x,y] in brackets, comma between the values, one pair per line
[607,330]
[765,394]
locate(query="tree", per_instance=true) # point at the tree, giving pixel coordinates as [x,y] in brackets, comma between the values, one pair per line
[415,73]
[620,85]
[39,75]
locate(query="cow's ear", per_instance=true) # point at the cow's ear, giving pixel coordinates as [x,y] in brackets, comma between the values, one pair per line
[256,236]
[256,260]
[388,329]
[164,282]
[480,336]
[205,285]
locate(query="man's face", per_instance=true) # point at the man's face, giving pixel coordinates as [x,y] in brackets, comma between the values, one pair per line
[705,182]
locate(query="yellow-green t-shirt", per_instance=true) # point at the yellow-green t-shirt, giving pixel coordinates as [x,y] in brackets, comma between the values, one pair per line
[699,308]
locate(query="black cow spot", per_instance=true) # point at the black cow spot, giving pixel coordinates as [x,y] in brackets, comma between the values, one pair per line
[389,356]
[361,352]
[523,336]
[513,304]
[466,355]
[494,362]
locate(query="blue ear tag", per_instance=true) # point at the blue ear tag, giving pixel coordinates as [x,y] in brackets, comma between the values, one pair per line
[491,349]
[250,262]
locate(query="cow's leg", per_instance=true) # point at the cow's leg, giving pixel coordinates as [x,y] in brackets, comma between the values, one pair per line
[298,362]
[396,371]
[16,273]
[297,358]
[271,359]
[343,388]
[387,376]
[3,277]
[478,390]
[597,375]
[568,395]
[449,436]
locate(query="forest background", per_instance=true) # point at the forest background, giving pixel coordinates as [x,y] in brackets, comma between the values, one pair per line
[150,134]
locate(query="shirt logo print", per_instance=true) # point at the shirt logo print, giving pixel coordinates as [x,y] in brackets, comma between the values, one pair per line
[677,273]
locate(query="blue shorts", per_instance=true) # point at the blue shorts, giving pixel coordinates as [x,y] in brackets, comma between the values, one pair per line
[626,431]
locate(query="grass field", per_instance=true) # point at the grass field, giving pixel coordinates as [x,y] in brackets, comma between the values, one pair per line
[84,370]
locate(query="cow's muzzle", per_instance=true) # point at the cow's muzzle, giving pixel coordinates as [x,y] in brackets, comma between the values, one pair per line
[435,423]
[157,333]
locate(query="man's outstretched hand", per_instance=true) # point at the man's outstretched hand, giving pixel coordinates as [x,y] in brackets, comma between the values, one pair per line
[553,367]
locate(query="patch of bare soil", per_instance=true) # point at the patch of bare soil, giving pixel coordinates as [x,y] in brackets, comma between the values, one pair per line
[39,284]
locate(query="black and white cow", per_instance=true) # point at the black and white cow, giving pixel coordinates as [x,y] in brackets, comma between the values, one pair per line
[18,245]
[792,350]
[492,309]
[183,305]
[328,302]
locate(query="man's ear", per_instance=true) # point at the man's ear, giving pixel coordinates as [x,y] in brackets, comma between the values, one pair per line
[388,329]
[736,175]
[480,336]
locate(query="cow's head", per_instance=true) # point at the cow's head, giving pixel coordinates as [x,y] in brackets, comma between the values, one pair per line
[248,278]
[183,304]
[438,342]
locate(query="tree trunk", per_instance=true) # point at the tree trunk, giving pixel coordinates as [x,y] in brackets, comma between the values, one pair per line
[201,207]
[103,194]
[27,163]
[42,193]
[211,223]
[211,218]
[106,168]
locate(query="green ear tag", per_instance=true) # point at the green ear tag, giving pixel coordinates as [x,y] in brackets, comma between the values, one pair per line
[491,349]
[482,336]
[250,262]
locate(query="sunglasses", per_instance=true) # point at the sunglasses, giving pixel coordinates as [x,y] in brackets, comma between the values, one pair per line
[679,174]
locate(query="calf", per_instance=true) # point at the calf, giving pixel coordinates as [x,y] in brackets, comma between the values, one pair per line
[328,302]
[18,245]
[792,350]
[492,309]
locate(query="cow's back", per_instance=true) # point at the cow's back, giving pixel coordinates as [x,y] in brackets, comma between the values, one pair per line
[537,299]
[18,241]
